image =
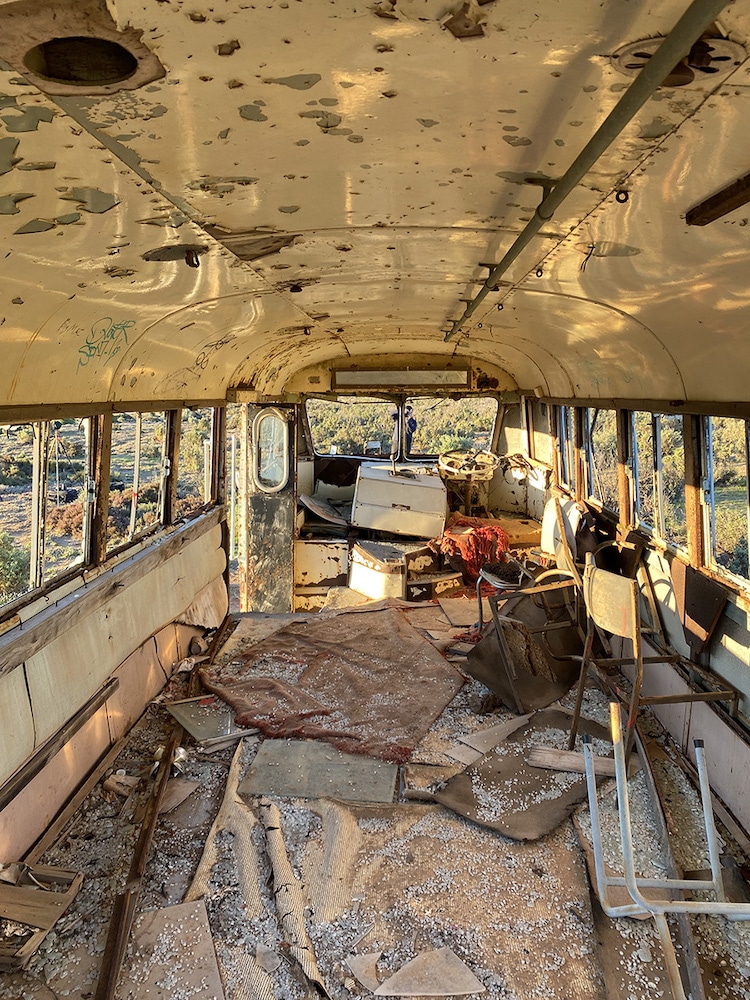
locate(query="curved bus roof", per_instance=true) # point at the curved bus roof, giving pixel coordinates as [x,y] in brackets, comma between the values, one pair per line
[202,197]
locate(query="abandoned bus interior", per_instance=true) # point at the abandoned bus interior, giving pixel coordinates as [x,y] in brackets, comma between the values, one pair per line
[374,499]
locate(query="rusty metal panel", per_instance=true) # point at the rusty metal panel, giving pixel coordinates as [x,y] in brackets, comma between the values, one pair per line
[270,537]
[320,564]
[267,549]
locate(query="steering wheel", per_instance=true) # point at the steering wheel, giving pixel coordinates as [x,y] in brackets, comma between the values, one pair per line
[468,465]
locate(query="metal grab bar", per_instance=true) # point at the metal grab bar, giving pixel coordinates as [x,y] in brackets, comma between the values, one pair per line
[641,905]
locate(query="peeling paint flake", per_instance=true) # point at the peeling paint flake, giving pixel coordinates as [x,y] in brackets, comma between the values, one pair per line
[68,219]
[8,202]
[40,165]
[517,140]
[289,209]
[323,119]
[252,113]
[8,160]
[91,199]
[302,81]
[35,226]
[28,120]
[228,48]
[656,129]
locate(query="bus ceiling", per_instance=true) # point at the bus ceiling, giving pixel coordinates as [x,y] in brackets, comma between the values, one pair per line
[578,233]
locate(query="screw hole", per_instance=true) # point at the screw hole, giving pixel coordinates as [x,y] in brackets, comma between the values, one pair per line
[622,196]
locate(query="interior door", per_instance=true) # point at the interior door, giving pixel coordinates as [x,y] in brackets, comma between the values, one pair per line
[267,555]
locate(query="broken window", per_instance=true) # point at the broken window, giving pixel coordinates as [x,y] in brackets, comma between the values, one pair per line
[644,467]
[566,446]
[726,493]
[601,457]
[66,510]
[136,475]
[346,426]
[194,462]
[434,425]
[18,444]
[670,462]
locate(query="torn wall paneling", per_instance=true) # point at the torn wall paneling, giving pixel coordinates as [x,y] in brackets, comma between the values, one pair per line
[67,671]
[141,677]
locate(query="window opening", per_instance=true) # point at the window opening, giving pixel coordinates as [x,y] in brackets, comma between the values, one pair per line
[137,474]
[566,460]
[16,503]
[670,464]
[601,455]
[270,451]
[726,493]
[66,507]
[194,460]
[361,427]
[433,425]
[644,469]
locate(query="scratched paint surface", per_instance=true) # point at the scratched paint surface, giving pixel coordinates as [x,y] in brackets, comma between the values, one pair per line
[389,160]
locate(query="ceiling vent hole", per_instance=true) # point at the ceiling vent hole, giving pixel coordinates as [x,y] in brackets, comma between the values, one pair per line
[81,61]
[708,57]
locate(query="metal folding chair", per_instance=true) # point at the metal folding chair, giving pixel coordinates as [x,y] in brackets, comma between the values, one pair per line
[675,888]
[613,605]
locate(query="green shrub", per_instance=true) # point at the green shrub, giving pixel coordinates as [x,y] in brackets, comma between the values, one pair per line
[14,568]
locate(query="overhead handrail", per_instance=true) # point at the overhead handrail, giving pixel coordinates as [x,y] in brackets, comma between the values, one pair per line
[698,16]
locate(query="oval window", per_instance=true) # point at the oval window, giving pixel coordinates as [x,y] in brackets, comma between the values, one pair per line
[270,451]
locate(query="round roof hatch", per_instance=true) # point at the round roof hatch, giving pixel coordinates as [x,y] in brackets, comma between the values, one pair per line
[81,61]
[709,58]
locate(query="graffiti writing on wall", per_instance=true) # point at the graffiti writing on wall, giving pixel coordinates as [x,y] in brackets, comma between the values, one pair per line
[104,341]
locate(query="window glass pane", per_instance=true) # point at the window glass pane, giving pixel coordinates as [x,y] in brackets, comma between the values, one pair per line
[271,454]
[352,426]
[67,464]
[643,450]
[16,481]
[603,440]
[728,453]
[673,478]
[194,463]
[434,425]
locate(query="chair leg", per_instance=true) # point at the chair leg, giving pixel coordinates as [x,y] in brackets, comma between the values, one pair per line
[581,686]
[479,602]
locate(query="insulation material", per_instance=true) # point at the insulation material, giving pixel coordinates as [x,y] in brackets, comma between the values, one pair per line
[232,845]
[341,679]
[172,954]
[504,792]
[471,542]
[290,896]
[404,880]
[210,607]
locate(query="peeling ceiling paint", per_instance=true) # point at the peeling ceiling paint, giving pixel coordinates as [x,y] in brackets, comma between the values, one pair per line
[347,175]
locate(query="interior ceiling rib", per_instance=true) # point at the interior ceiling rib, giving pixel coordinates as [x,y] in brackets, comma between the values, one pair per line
[341,173]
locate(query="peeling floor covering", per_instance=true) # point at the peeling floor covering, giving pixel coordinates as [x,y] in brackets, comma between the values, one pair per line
[397,879]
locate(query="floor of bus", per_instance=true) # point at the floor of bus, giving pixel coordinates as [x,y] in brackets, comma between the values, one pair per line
[276,897]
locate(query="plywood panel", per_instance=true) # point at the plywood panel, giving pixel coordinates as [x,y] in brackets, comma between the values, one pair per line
[141,679]
[64,674]
[16,723]
[24,820]
[727,758]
